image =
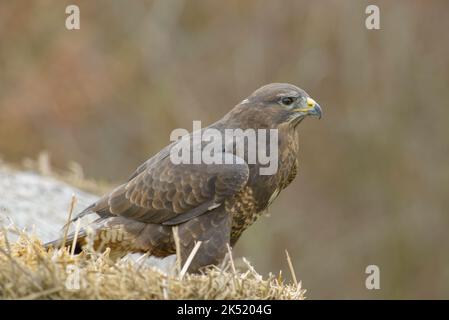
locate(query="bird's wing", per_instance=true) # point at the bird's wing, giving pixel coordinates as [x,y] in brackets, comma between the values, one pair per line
[167,193]
[164,153]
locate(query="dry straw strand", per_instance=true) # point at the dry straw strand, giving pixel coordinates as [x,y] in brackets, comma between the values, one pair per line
[29,271]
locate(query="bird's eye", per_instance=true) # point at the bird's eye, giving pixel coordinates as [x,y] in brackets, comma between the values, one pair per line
[287,101]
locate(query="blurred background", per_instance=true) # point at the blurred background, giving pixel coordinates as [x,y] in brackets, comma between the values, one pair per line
[374,177]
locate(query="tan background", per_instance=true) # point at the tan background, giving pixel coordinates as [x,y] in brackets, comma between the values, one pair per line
[373,186]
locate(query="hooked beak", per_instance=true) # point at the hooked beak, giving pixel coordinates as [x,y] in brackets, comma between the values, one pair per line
[311,108]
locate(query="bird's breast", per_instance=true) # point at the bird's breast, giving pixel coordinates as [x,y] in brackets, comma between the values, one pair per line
[261,190]
[243,208]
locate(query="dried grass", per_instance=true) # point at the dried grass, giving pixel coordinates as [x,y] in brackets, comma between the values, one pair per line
[73,174]
[28,271]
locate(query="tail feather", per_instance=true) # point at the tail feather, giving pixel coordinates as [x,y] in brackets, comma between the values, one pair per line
[69,241]
[83,213]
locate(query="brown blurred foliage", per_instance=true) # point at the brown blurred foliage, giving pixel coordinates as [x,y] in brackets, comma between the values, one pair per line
[374,182]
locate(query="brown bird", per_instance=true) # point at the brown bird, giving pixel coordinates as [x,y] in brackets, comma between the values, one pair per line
[212,203]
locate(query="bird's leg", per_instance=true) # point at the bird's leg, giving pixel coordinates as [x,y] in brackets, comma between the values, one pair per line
[213,230]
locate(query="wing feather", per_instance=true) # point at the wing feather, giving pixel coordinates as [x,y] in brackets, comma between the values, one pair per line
[161,192]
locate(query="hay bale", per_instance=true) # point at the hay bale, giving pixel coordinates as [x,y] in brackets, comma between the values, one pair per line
[28,271]
[40,203]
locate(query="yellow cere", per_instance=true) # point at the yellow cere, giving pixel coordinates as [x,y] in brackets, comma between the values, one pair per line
[311,102]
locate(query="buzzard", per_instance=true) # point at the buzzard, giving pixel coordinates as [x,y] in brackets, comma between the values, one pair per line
[212,203]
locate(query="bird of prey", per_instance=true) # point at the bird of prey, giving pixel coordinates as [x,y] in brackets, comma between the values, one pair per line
[212,203]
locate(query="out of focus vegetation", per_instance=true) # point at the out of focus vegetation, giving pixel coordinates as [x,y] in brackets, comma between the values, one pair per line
[374,179]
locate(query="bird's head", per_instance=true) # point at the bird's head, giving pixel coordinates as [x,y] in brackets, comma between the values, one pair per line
[283,102]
